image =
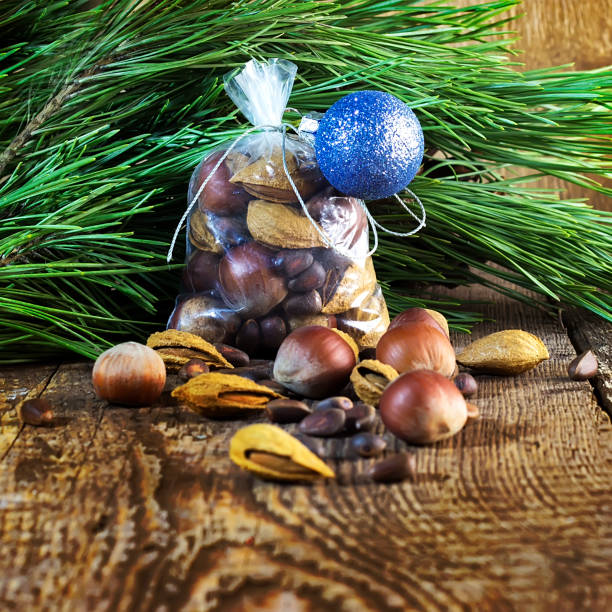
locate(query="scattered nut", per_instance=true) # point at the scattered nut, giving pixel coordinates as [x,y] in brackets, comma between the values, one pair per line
[177,347]
[238,358]
[129,373]
[370,377]
[337,401]
[394,468]
[314,361]
[368,444]
[361,417]
[324,423]
[35,412]
[511,351]
[222,395]
[422,407]
[271,452]
[192,368]
[466,383]
[287,411]
[583,367]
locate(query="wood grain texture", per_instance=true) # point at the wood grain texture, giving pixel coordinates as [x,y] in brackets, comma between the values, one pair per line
[141,509]
[558,32]
[589,332]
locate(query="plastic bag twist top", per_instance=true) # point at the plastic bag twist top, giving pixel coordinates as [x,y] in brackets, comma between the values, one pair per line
[261,90]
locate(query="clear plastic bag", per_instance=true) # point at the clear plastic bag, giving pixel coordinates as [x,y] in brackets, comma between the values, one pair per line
[262,261]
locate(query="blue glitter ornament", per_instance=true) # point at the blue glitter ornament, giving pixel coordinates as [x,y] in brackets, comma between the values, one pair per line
[369,145]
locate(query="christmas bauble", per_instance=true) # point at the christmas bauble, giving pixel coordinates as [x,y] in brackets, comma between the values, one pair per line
[369,145]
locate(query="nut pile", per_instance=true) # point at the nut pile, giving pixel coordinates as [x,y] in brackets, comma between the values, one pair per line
[257,267]
[321,386]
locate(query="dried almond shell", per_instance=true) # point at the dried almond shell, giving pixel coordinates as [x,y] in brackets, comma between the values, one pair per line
[358,281]
[271,452]
[222,395]
[200,236]
[280,225]
[370,377]
[511,351]
[176,348]
[266,178]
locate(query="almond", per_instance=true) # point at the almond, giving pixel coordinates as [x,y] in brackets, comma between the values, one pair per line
[511,351]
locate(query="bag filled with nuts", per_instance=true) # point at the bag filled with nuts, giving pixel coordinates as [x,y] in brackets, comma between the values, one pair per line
[271,245]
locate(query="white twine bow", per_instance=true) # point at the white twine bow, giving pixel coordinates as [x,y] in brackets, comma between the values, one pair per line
[346,252]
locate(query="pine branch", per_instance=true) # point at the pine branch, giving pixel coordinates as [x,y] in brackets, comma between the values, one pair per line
[49,110]
[106,110]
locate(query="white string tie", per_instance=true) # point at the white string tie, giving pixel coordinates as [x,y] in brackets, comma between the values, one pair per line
[346,252]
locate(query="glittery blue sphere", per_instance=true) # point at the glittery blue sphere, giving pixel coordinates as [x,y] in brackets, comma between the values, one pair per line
[369,145]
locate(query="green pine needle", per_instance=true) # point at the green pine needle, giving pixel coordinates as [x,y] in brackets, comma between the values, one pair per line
[106,110]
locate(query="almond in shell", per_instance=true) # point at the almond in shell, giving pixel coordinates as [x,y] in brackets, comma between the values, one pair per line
[266,178]
[351,289]
[271,452]
[200,235]
[177,347]
[224,395]
[511,351]
[281,225]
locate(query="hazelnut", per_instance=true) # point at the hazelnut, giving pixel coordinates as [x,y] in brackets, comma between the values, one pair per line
[129,373]
[423,315]
[423,406]
[248,282]
[314,361]
[219,196]
[417,346]
[205,316]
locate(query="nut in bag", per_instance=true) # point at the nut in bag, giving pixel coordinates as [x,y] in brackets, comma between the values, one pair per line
[271,246]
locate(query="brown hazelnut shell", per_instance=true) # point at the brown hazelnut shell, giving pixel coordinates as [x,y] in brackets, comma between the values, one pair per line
[422,407]
[417,346]
[129,373]
[219,196]
[205,316]
[248,282]
[314,361]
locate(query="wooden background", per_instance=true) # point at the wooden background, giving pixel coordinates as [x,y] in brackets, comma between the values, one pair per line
[119,509]
[557,32]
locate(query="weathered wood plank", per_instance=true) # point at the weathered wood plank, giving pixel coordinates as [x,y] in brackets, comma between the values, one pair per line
[18,384]
[141,508]
[588,331]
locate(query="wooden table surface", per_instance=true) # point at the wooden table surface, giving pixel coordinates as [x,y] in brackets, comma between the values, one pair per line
[141,509]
